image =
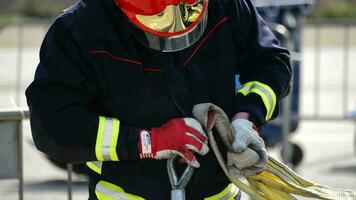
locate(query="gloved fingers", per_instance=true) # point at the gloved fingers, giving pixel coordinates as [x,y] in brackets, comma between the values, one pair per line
[244,135]
[256,143]
[195,128]
[235,172]
[187,155]
[263,158]
[245,159]
[190,158]
[251,171]
[239,145]
[196,145]
[194,134]
[260,150]
[246,163]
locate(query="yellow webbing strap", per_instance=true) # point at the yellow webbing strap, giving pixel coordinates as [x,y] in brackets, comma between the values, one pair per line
[108,191]
[281,178]
[228,193]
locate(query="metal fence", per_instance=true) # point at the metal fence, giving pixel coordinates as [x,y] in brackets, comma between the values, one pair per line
[12,148]
[11,144]
[20,37]
[344,41]
[347,86]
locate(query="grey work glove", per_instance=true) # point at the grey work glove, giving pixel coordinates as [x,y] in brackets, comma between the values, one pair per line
[247,155]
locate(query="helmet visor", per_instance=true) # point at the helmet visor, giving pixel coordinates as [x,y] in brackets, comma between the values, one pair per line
[173,19]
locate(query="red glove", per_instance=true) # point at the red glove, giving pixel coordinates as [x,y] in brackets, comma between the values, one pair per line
[182,136]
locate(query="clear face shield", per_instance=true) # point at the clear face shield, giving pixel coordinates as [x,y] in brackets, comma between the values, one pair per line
[167,26]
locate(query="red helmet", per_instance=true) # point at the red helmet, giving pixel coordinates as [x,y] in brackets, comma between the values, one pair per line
[168,25]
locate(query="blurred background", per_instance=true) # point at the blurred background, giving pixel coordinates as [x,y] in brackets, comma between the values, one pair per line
[315,134]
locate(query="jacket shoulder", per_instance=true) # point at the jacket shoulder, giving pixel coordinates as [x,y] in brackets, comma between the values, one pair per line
[86,21]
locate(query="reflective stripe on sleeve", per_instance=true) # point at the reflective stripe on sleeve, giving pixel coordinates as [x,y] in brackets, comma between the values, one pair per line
[267,95]
[95,166]
[108,191]
[106,139]
[228,193]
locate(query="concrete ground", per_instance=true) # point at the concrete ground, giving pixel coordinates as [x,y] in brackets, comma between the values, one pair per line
[328,146]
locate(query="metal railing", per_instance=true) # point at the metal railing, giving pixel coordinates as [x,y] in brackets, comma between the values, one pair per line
[347,115]
[18,115]
[346,26]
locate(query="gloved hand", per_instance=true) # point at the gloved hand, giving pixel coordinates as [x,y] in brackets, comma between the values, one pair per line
[182,136]
[247,155]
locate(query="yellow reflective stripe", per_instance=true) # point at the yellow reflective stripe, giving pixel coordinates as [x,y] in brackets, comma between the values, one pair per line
[95,166]
[244,90]
[99,139]
[270,97]
[108,191]
[106,141]
[114,138]
[228,193]
[265,101]
[267,95]
[102,196]
[105,146]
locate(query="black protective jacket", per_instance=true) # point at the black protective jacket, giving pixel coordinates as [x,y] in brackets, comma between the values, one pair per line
[92,68]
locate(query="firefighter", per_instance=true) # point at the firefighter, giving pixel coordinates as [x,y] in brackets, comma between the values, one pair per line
[117,81]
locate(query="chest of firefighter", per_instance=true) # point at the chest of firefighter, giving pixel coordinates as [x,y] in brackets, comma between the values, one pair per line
[144,83]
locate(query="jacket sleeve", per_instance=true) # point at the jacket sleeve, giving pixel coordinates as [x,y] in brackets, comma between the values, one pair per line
[64,122]
[264,66]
